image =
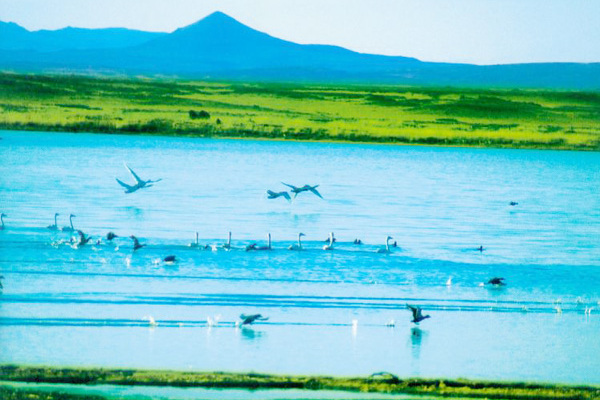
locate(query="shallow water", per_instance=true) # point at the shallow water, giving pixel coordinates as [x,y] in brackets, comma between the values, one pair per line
[328,310]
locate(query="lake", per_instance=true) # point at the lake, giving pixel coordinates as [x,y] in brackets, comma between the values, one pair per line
[338,312]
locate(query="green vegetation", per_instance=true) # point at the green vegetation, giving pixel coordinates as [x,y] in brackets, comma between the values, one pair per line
[381,382]
[378,114]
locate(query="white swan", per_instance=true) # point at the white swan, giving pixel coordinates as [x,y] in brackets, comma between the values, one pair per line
[299,245]
[55,226]
[139,183]
[387,246]
[227,246]
[69,228]
[329,246]
[268,247]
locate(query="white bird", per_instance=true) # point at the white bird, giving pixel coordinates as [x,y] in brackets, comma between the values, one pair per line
[139,183]
[69,228]
[268,247]
[55,226]
[274,195]
[227,246]
[304,188]
[299,245]
[387,246]
[151,321]
[195,244]
[329,246]
[449,281]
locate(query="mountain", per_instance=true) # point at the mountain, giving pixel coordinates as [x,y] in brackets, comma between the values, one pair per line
[219,47]
[15,37]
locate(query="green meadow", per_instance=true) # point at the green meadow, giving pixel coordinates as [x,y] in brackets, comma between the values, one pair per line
[445,116]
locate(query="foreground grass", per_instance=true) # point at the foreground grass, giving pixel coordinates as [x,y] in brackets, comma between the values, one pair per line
[383,383]
[384,114]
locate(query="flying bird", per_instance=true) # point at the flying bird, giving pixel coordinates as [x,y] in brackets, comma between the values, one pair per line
[83,239]
[417,313]
[274,195]
[136,243]
[513,203]
[304,188]
[139,183]
[250,319]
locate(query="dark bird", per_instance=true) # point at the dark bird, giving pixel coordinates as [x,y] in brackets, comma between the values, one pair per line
[2,220]
[1,277]
[69,228]
[136,243]
[250,319]
[139,183]
[110,236]
[513,203]
[170,259]
[55,226]
[83,239]
[274,195]
[480,249]
[496,281]
[358,241]
[304,188]
[417,313]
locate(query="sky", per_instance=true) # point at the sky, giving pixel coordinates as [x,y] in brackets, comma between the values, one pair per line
[466,31]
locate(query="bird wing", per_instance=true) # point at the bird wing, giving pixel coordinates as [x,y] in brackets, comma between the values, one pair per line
[272,194]
[286,195]
[314,190]
[137,178]
[126,186]
[415,311]
[290,186]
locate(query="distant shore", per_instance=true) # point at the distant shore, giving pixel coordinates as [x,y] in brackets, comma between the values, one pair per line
[377,383]
[467,117]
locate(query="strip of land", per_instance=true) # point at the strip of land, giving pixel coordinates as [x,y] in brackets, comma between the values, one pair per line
[381,382]
[539,119]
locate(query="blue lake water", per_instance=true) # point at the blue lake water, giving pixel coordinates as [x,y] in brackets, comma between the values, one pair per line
[328,311]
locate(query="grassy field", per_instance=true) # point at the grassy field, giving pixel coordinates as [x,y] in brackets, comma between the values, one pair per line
[382,383]
[378,114]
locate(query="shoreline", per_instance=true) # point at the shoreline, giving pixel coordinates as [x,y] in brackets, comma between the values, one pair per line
[474,143]
[377,383]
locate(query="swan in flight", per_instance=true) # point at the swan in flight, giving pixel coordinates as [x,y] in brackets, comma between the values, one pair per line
[2,220]
[304,188]
[387,246]
[273,195]
[82,239]
[329,246]
[136,243]
[139,183]
[417,313]
[299,245]
[250,319]
[55,226]
[69,228]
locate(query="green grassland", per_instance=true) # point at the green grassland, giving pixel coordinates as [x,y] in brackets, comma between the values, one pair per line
[381,383]
[377,114]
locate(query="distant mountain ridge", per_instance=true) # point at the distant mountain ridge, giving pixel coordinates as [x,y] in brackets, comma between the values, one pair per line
[220,47]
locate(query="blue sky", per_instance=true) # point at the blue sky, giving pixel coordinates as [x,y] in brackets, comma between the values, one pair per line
[473,31]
